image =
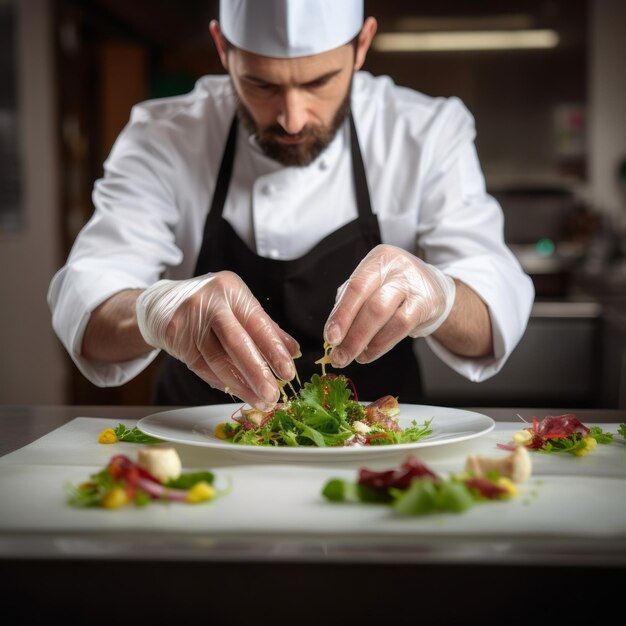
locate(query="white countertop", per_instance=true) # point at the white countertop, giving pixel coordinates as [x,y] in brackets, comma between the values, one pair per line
[568,499]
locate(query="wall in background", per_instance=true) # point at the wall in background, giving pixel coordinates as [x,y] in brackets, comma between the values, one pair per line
[607,104]
[32,365]
[515,96]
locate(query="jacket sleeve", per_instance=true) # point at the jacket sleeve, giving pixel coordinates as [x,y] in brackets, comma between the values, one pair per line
[126,244]
[461,231]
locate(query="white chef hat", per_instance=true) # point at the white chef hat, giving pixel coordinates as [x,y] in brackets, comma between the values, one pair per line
[290,28]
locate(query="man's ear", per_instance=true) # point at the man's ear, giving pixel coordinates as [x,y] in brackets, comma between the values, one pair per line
[365,40]
[220,44]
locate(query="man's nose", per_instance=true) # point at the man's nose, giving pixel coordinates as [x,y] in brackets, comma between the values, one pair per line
[292,116]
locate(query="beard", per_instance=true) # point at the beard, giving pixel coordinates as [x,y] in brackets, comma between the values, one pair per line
[316,136]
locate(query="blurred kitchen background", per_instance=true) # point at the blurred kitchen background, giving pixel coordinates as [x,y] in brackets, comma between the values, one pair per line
[544,79]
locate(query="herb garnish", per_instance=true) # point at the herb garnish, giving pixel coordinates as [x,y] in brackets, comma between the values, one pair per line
[128,435]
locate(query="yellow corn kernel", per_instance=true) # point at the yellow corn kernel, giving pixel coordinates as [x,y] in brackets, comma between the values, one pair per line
[200,492]
[590,444]
[107,436]
[509,485]
[115,499]
[219,431]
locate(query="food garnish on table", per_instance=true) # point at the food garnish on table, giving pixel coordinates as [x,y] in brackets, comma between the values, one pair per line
[559,433]
[415,489]
[129,435]
[155,476]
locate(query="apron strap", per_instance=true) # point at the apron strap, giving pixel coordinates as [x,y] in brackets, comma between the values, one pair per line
[363,201]
[368,222]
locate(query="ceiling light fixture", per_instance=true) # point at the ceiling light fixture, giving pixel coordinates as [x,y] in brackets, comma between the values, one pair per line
[465,40]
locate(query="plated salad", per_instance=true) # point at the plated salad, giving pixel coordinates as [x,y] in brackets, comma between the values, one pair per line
[324,413]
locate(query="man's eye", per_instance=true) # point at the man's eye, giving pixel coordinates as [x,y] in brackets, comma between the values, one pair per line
[264,87]
[317,84]
[259,87]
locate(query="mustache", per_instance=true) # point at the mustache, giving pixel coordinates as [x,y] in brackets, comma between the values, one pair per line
[277,131]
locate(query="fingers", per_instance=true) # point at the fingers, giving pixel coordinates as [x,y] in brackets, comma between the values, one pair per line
[350,299]
[254,323]
[213,364]
[269,343]
[396,329]
[365,304]
[378,325]
[243,348]
[292,346]
[388,296]
[223,334]
[243,352]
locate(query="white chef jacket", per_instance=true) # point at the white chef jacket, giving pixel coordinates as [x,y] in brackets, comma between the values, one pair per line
[425,182]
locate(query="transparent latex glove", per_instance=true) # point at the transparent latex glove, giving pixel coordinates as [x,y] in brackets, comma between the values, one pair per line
[390,295]
[216,326]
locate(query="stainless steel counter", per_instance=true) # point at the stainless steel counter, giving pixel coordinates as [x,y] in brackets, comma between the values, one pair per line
[558,361]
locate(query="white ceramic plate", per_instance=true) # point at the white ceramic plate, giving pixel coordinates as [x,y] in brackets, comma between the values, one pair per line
[196,425]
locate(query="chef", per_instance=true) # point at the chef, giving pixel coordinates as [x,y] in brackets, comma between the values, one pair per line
[293,200]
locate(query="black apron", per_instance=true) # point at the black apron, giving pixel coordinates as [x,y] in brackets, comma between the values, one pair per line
[297,294]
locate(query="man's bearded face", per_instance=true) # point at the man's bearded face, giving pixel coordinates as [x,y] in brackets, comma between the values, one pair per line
[315,137]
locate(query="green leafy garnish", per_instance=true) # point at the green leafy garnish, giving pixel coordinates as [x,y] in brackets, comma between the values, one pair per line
[91,493]
[422,497]
[427,496]
[600,436]
[187,481]
[337,490]
[409,435]
[621,429]
[133,435]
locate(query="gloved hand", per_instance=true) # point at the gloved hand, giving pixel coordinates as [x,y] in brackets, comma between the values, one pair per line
[216,326]
[390,295]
